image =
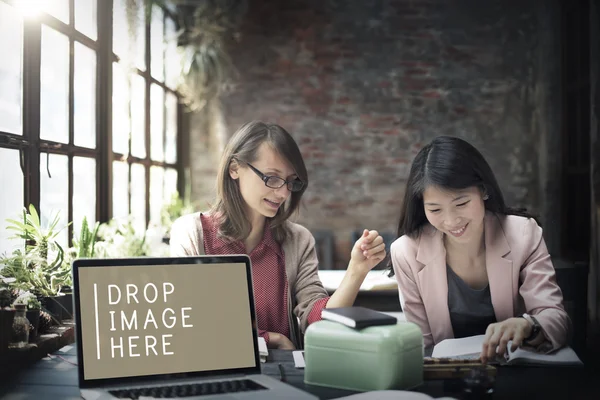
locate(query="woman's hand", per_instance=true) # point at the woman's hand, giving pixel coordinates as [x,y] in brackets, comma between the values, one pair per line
[368,251]
[497,336]
[279,341]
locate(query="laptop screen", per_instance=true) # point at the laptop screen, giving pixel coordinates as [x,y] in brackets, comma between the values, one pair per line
[149,317]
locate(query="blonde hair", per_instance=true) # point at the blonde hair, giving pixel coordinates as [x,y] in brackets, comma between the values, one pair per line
[243,146]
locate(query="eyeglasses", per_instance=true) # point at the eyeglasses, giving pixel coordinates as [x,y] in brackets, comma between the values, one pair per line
[275,182]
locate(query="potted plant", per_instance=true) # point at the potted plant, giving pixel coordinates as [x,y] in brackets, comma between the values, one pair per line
[7,315]
[118,238]
[84,247]
[20,326]
[33,308]
[40,265]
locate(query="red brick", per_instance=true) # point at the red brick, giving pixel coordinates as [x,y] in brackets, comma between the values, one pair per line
[431,94]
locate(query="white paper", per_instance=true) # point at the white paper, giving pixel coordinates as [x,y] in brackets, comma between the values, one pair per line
[298,358]
[468,347]
[262,346]
[65,349]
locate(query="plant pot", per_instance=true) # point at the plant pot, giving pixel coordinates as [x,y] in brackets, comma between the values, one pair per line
[6,321]
[66,302]
[34,319]
[20,328]
[53,307]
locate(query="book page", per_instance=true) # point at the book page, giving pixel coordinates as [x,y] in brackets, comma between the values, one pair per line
[564,356]
[468,347]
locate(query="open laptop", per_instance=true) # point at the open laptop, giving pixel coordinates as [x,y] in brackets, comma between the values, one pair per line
[170,328]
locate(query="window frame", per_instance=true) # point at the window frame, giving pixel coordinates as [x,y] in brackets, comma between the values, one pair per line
[31,146]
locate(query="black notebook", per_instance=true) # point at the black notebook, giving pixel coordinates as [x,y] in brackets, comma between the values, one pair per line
[357,317]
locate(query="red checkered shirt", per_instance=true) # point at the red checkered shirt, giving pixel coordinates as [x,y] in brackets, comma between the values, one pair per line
[268,277]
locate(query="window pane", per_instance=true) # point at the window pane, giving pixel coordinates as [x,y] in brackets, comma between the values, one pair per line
[170,183]
[84,192]
[54,108]
[84,113]
[171,55]
[140,37]
[120,189]
[58,8]
[120,29]
[138,197]
[126,48]
[157,121]
[10,206]
[157,175]
[11,71]
[138,107]
[121,124]
[157,36]
[171,138]
[54,192]
[86,20]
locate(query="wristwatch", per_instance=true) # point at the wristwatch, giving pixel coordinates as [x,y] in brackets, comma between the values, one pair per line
[535,326]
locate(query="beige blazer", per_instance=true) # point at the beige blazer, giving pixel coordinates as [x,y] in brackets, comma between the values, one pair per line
[301,266]
[520,272]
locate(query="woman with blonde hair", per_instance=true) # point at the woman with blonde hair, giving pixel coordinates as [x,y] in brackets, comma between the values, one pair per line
[260,182]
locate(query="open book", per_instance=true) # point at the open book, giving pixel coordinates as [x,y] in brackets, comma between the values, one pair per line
[470,348]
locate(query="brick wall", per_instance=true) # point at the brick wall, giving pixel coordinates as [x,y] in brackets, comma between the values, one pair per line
[363,85]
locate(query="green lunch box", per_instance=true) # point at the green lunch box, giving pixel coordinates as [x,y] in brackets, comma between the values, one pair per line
[373,358]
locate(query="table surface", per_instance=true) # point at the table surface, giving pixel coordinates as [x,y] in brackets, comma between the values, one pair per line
[55,377]
[376,281]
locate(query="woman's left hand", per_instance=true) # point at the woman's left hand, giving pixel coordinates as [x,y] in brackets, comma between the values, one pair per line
[368,251]
[498,335]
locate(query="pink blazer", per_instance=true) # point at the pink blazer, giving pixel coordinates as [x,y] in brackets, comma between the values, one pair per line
[520,272]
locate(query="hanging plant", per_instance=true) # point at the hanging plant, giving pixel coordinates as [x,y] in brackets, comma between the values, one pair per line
[206,26]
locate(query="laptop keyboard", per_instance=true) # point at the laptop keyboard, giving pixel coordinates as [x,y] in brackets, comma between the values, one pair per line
[194,389]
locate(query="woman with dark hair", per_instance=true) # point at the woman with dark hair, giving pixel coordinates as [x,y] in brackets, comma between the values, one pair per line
[467,264]
[260,181]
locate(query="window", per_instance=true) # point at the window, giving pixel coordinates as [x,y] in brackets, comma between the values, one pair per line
[145,109]
[84,130]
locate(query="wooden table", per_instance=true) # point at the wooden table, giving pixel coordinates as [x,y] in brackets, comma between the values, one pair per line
[55,378]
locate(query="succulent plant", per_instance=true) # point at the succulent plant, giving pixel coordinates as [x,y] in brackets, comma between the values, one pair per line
[46,322]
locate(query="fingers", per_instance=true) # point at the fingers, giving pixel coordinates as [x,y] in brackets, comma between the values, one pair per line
[498,335]
[486,343]
[519,336]
[369,236]
[493,344]
[493,335]
[517,340]
[506,336]
[371,245]
[371,239]
[377,251]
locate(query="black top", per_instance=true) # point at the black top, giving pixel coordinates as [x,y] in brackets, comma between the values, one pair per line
[471,310]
